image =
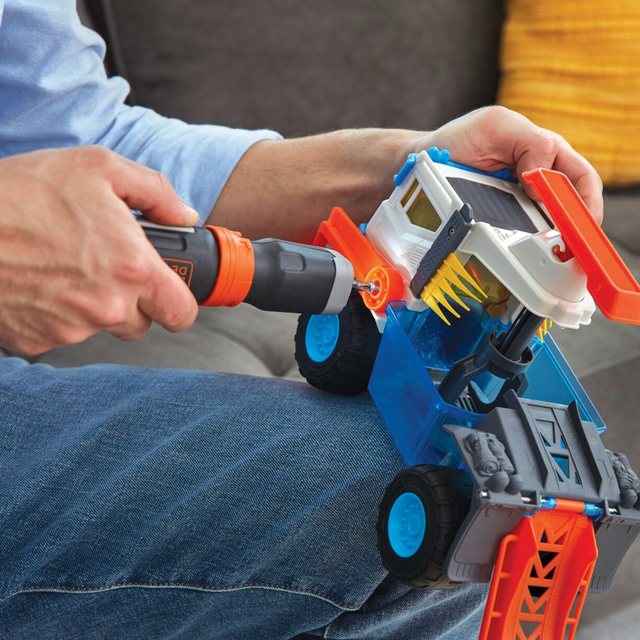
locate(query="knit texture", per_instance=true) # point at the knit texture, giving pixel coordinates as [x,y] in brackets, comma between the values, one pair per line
[573,66]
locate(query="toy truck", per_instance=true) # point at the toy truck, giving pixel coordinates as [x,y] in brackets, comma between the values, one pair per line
[508,481]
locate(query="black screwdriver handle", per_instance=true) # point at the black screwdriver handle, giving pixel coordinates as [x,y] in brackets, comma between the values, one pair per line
[192,252]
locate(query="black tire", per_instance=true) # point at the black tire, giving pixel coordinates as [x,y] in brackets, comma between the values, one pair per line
[347,369]
[445,494]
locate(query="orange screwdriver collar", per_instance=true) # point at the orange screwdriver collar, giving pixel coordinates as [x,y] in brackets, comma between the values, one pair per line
[235,271]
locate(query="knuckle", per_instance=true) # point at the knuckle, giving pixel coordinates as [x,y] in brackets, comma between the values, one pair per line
[548,142]
[136,331]
[163,184]
[135,266]
[593,176]
[31,348]
[93,312]
[498,110]
[496,113]
[109,313]
[72,335]
[94,156]
[142,272]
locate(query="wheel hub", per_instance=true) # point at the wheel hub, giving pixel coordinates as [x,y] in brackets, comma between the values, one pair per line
[407,525]
[322,336]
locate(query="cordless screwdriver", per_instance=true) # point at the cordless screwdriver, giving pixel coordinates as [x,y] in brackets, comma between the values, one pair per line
[221,268]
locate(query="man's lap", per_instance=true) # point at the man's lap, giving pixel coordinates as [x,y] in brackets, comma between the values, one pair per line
[243,506]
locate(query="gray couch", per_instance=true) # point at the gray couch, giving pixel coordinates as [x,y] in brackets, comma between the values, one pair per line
[301,67]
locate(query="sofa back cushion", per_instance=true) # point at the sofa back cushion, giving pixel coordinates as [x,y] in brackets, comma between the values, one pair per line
[303,66]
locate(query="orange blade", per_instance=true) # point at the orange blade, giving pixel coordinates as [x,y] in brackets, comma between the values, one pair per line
[609,281]
[542,575]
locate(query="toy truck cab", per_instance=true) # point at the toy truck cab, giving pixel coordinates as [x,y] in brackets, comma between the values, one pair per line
[508,248]
[508,475]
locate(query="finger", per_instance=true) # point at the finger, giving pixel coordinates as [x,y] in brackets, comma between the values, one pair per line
[134,328]
[167,300]
[150,192]
[553,152]
[584,178]
[161,294]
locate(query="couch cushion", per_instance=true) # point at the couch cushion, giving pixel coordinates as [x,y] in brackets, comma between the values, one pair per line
[302,66]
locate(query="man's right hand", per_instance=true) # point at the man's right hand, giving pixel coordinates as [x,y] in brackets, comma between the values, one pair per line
[73,261]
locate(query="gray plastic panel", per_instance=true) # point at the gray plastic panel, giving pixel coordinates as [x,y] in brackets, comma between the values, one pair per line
[556,432]
[614,535]
[475,549]
[492,205]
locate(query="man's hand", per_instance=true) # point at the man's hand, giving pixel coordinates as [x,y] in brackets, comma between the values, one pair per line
[495,137]
[73,261]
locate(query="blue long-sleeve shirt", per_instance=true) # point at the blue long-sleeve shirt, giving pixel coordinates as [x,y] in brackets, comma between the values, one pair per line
[54,93]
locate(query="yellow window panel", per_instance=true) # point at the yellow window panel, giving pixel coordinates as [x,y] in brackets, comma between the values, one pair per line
[422,213]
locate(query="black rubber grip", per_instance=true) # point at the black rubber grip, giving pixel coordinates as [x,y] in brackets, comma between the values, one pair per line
[193,254]
[291,277]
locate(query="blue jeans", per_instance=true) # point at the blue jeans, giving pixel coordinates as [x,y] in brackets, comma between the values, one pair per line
[139,503]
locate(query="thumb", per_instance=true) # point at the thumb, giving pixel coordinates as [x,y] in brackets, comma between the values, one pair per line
[151,192]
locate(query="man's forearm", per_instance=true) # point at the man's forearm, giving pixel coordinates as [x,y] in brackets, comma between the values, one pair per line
[284,188]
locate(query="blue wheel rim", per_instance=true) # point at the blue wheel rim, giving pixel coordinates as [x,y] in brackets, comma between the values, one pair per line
[407,525]
[321,337]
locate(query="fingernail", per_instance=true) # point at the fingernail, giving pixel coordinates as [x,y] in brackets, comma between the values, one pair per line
[193,213]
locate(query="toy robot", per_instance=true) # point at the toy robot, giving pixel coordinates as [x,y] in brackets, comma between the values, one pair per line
[508,482]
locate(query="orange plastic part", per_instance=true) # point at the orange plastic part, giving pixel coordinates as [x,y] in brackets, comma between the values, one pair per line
[342,235]
[235,271]
[542,576]
[609,281]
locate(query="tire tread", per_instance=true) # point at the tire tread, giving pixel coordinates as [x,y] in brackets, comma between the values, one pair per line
[451,509]
[352,366]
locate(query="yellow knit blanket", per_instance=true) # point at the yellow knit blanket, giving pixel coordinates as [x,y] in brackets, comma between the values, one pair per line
[573,66]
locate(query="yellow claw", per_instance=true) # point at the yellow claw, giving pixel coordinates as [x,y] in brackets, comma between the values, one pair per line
[545,326]
[448,289]
[434,306]
[440,297]
[451,275]
[439,287]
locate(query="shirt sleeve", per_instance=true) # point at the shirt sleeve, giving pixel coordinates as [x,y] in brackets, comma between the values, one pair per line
[54,93]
